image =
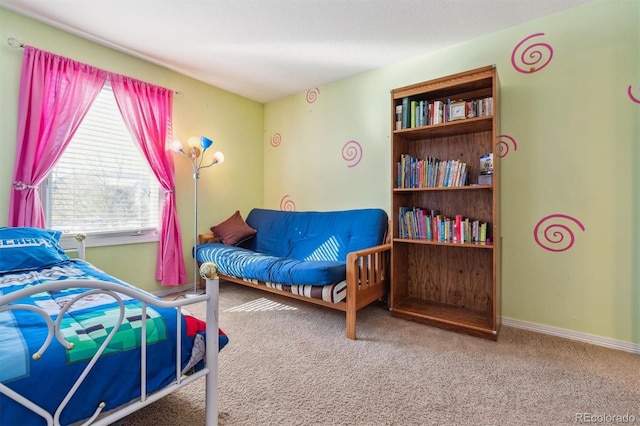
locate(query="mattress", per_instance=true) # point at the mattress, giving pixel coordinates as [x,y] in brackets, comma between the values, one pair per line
[333,293]
[245,263]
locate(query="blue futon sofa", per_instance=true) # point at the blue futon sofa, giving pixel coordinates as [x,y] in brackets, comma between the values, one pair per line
[337,259]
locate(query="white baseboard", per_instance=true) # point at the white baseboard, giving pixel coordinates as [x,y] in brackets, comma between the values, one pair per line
[607,342]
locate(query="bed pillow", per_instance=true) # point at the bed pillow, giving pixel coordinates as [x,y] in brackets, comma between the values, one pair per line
[233,231]
[25,249]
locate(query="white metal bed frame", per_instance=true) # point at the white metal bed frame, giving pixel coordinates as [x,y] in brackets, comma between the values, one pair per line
[211,299]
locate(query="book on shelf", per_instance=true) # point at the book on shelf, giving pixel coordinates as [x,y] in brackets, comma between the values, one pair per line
[415,223]
[483,232]
[406,114]
[413,112]
[398,116]
[412,172]
[438,110]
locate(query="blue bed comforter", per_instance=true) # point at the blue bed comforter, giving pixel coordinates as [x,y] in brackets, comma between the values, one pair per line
[114,380]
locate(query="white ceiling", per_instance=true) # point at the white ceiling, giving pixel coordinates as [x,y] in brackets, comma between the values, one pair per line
[268,49]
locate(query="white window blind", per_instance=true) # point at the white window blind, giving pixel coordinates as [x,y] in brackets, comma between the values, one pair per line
[102,183]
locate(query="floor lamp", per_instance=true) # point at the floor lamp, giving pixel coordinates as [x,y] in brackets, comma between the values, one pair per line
[197,148]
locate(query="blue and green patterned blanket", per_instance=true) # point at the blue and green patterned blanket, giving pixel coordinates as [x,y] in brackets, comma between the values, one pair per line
[115,379]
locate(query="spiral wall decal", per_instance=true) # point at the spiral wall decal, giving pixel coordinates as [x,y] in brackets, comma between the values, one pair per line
[532,55]
[503,145]
[352,152]
[275,139]
[312,95]
[286,204]
[630,93]
[550,234]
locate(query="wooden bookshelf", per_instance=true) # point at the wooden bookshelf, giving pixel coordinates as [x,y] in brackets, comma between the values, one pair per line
[449,284]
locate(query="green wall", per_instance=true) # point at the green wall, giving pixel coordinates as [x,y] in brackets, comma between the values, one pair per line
[233,122]
[576,134]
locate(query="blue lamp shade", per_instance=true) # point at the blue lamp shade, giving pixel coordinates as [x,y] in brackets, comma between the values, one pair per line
[205,142]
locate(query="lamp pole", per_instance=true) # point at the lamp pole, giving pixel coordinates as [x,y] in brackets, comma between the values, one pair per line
[197,148]
[196,177]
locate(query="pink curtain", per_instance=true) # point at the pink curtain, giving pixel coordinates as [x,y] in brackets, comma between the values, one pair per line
[55,95]
[147,112]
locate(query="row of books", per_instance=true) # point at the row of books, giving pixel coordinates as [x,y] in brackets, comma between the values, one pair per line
[416,223]
[417,113]
[413,172]
[479,107]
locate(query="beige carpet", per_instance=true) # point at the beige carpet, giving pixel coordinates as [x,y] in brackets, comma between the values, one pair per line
[289,363]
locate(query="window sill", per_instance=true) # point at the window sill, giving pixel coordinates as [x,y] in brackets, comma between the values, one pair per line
[69,242]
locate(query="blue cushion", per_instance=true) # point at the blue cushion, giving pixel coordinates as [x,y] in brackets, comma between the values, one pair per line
[25,249]
[243,263]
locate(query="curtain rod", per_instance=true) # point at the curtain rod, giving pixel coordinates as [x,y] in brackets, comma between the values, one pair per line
[12,42]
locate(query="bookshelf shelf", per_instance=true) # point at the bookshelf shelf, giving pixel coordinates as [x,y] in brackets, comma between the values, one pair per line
[439,243]
[452,128]
[446,188]
[450,284]
[448,317]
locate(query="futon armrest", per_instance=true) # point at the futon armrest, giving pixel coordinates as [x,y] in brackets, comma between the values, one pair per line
[368,277]
[368,267]
[209,237]
[352,256]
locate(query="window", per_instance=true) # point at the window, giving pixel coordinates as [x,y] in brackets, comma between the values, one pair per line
[102,185]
